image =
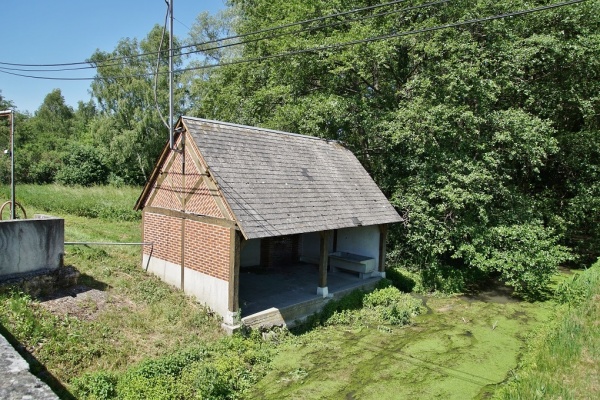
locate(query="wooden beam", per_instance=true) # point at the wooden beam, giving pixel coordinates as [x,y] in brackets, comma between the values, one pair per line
[323,258]
[193,217]
[234,270]
[383,231]
[183,244]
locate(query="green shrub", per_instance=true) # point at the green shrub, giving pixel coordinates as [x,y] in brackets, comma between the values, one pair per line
[160,387]
[43,172]
[393,306]
[223,370]
[384,297]
[82,166]
[385,305]
[352,301]
[96,386]
[402,280]
[171,365]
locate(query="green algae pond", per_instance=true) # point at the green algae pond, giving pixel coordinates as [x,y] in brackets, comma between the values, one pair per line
[461,348]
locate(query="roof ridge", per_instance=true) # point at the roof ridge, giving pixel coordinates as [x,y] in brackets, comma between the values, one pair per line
[259,129]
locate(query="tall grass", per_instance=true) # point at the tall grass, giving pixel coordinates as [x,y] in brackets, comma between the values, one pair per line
[138,317]
[563,361]
[107,202]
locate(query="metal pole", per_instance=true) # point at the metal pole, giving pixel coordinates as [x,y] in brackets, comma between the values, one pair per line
[11,114]
[12,165]
[171,132]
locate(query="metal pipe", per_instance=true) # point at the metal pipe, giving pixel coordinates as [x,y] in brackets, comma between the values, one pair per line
[171,133]
[11,114]
[111,243]
[12,165]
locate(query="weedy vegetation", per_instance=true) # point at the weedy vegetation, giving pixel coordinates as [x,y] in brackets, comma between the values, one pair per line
[135,337]
[563,359]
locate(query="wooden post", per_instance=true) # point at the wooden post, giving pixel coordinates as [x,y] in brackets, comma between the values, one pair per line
[323,261]
[383,230]
[234,271]
[183,244]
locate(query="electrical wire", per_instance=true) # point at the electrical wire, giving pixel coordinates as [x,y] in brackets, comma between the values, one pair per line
[337,45]
[203,49]
[220,39]
[319,27]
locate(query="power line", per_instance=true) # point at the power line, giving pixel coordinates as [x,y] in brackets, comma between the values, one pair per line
[319,27]
[337,45]
[222,46]
[220,39]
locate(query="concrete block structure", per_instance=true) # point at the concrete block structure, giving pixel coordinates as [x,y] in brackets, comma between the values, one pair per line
[30,246]
[230,197]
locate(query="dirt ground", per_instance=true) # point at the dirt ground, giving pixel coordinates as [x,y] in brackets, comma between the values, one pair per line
[81,302]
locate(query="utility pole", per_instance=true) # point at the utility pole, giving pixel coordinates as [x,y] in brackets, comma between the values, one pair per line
[11,115]
[171,130]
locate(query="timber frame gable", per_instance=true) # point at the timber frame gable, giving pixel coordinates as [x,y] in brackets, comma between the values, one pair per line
[175,190]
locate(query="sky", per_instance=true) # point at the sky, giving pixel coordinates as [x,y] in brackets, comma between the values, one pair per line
[64,31]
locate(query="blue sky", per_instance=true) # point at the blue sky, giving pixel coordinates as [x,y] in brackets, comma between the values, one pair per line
[59,31]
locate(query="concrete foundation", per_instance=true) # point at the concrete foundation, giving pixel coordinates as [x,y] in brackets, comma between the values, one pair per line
[294,314]
[208,290]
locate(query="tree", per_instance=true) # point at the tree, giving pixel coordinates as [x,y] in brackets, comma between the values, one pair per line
[465,129]
[128,129]
[42,140]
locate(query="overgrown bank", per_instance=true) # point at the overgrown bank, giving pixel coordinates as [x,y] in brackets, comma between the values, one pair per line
[563,362]
[138,338]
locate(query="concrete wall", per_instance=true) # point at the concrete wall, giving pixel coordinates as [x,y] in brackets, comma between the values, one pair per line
[363,240]
[208,290]
[310,247]
[30,245]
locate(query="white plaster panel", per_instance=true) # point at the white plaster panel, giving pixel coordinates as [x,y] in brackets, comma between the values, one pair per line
[362,240]
[165,270]
[210,291]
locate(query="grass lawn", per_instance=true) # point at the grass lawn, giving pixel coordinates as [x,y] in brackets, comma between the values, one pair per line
[139,338]
[140,316]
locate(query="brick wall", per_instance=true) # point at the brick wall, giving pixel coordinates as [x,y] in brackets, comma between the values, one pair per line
[206,246]
[202,202]
[279,251]
[165,232]
[207,249]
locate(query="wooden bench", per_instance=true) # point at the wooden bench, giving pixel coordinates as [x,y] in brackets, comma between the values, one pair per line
[342,260]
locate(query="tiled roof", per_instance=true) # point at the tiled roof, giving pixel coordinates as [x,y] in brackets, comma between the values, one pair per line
[279,183]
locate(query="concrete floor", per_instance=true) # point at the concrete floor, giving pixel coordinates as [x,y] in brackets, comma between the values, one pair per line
[284,287]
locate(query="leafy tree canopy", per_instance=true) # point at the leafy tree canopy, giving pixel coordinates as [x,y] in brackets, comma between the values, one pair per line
[472,131]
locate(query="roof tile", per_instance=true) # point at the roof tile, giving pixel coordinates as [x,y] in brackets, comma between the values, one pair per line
[280,183]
